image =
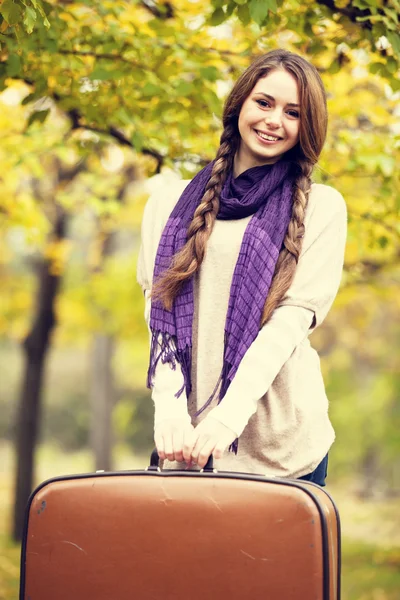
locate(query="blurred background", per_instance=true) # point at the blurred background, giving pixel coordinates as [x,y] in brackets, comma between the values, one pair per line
[102,103]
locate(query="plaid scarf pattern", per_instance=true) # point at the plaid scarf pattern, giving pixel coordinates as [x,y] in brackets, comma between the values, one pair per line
[266,192]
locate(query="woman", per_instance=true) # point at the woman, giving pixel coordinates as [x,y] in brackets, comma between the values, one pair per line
[241,264]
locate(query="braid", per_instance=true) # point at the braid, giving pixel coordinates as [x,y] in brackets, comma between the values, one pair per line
[187,261]
[289,255]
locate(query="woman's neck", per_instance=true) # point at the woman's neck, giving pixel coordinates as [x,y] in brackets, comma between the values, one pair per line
[240,164]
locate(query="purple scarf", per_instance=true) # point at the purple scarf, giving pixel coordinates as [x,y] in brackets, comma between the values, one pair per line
[265,192]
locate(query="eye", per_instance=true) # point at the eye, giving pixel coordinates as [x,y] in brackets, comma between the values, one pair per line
[263,103]
[294,113]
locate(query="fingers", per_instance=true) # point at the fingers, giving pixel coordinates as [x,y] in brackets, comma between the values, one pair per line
[189,440]
[202,452]
[169,445]
[219,450]
[204,444]
[177,444]
[159,442]
[176,439]
[169,438]
[211,437]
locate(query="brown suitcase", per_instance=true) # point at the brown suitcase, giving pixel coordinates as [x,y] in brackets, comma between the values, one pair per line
[172,535]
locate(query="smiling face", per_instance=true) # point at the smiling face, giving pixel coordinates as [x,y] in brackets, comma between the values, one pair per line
[269,121]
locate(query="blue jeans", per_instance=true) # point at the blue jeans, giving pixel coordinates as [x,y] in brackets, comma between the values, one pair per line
[318,476]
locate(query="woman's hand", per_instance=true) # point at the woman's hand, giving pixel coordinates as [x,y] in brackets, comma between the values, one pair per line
[170,436]
[209,437]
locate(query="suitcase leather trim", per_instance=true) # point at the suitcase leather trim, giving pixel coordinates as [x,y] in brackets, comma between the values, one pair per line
[156,472]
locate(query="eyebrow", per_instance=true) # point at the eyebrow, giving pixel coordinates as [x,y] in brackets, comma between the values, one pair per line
[273,99]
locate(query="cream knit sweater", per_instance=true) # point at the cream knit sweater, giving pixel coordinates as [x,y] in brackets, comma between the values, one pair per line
[276,402]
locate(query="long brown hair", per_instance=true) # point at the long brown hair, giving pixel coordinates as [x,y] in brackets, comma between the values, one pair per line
[312,133]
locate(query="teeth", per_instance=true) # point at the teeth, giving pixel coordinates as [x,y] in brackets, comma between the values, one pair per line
[267,137]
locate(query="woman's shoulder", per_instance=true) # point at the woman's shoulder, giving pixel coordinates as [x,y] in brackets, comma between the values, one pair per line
[166,193]
[327,199]
[161,201]
[325,203]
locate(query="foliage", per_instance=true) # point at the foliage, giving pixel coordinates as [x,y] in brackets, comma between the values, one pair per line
[328,24]
[123,90]
[136,70]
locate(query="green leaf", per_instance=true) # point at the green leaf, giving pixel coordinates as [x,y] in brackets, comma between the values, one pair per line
[395,84]
[386,164]
[102,74]
[383,241]
[392,14]
[392,65]
[150,89]
[40,116]
[51,45]
[241,1]
[124,116]
[184,88]
[29,98]
[11,12]
[44,9]
[210,73]
[244,14]
[376,67]
[394,39]
[13,65]
[308,30]
[259,10]
[334,68]
[30,19]
[230,8]
[217,17]
[138,141]
[99,73]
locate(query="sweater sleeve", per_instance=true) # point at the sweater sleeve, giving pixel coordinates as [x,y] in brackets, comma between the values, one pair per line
[304,306]
[319,270]
[166,383]
[166,379]
[286,328]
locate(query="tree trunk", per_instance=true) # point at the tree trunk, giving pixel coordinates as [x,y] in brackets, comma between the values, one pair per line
[102,397]
[372,485]
[37,342]
[102,384]
[35,347]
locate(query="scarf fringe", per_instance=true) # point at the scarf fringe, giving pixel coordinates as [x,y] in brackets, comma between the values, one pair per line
[163,347]
[224,382]
[221,382]
[234,447]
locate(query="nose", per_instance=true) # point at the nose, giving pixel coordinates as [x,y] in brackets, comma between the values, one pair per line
[273,119]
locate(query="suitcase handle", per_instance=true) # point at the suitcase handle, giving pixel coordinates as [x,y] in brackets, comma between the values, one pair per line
[154,462]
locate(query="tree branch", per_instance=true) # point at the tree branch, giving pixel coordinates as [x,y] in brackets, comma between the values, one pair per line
[373,219]
[103,55]
[166,11]
[76,123]
[372,267]
[351,12]
[75,118]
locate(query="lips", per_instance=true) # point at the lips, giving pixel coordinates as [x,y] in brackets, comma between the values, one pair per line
[269,137]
